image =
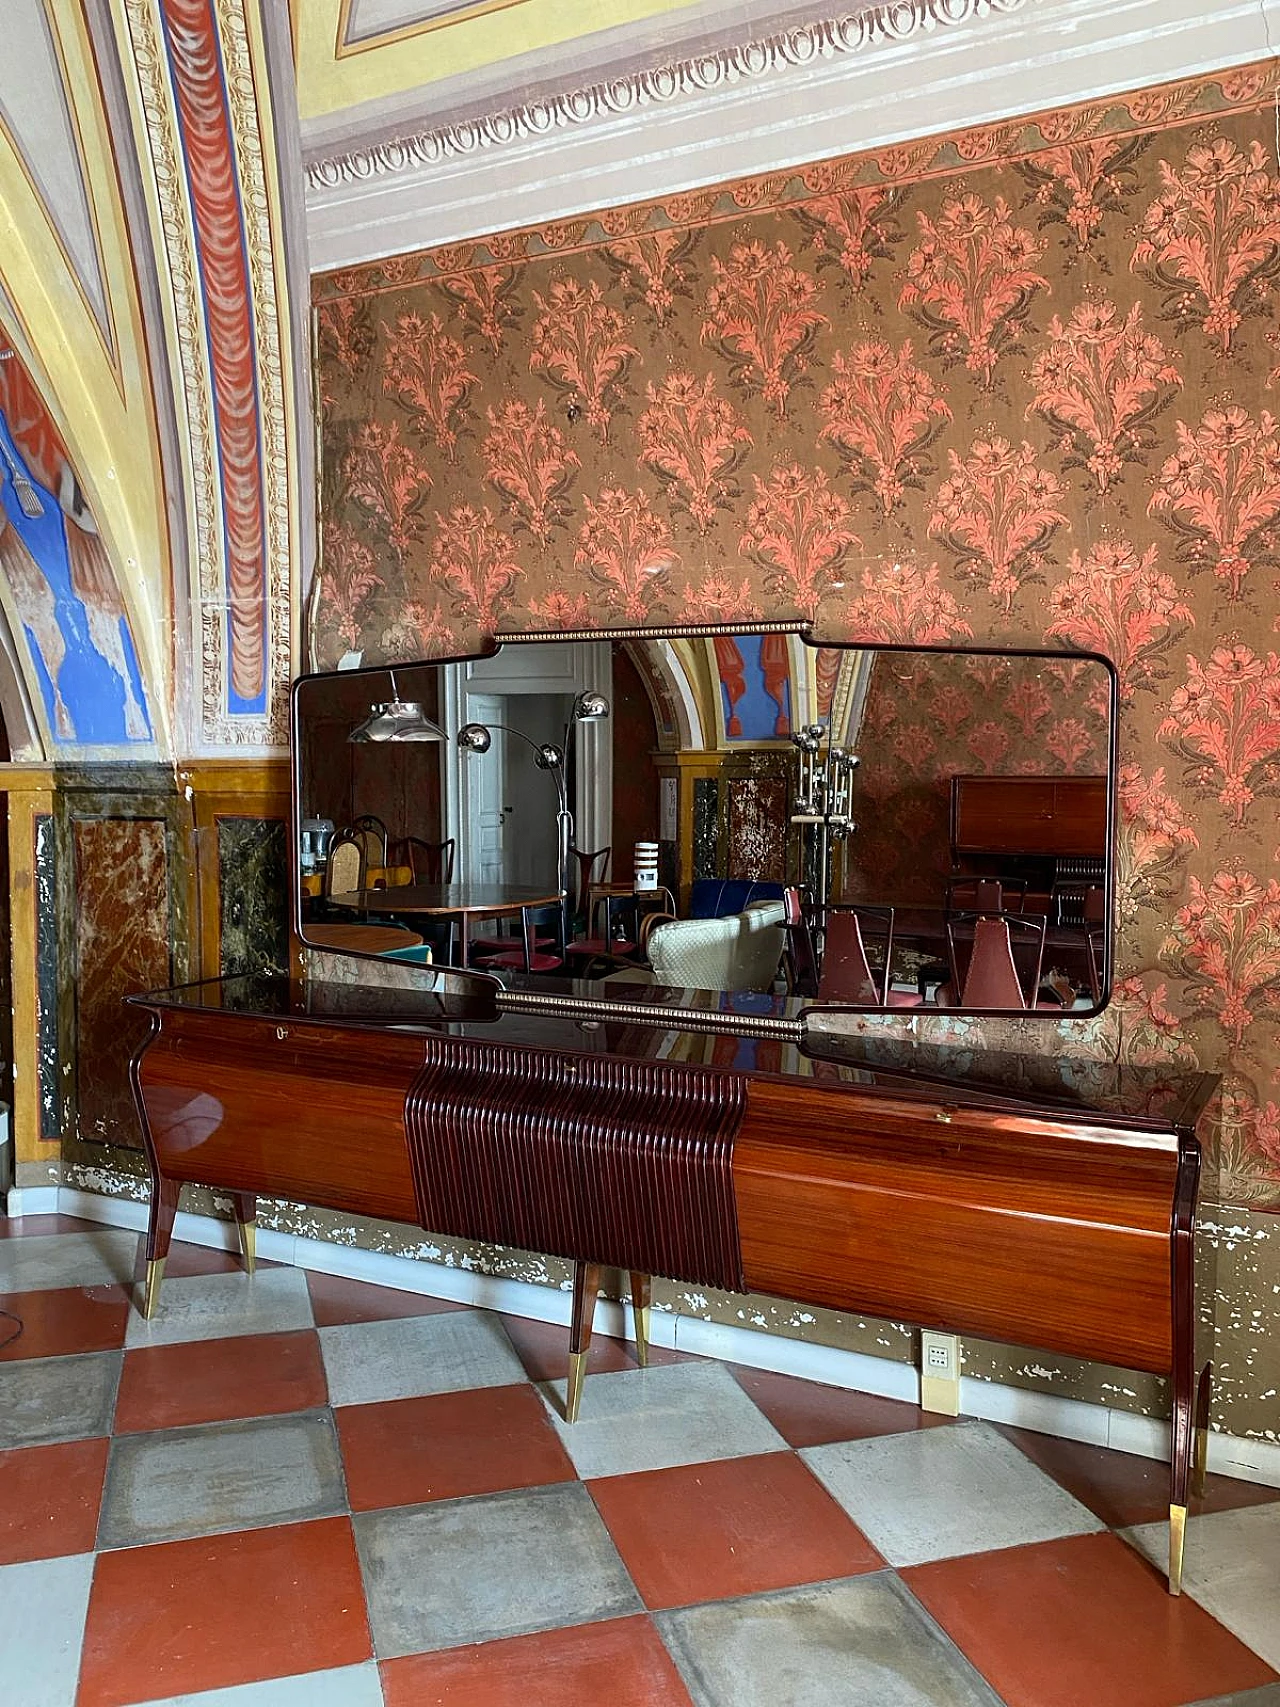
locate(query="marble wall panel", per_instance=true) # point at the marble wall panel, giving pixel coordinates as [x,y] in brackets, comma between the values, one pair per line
[253,892]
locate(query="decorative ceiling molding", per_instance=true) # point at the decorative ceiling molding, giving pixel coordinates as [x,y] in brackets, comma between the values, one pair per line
[801,45]
[888,75]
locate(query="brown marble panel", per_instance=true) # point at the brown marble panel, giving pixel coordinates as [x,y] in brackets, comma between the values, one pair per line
[122,925]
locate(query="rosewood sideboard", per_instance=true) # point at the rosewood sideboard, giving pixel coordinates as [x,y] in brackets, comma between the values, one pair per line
[1048,1203]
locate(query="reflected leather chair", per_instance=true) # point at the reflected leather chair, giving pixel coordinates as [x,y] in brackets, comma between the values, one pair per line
[996,960]
[846,970]
[986,895]
[741,952]
[528,951]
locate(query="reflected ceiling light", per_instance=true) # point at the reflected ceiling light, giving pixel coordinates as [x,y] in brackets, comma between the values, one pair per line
[397,719]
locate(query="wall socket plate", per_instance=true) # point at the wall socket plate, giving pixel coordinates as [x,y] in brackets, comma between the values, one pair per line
[939,1373]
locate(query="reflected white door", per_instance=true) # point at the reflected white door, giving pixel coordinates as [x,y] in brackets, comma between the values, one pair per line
[487,811]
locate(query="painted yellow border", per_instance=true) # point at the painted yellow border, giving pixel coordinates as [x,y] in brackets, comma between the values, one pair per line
[332,77]
[344,48]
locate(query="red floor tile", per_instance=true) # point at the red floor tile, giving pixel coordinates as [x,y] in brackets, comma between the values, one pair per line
[1123,1489]
[36,1226]
[807,1413]
[225,1609]
[1082,1620]
[63,1322]
[259,1375]
[49,1499]
[442,1447]
[737,1526]
[621,1662]
[336,1301]
[543,1348]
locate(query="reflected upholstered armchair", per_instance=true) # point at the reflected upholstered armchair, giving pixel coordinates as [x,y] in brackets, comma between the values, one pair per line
[741,952]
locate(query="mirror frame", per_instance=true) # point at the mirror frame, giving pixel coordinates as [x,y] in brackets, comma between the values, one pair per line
[589,1010]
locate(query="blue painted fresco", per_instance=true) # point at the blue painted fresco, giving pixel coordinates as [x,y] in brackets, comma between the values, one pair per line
[762,716]
[92,699]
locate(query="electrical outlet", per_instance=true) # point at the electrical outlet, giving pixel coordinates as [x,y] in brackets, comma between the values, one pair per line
[940,1373]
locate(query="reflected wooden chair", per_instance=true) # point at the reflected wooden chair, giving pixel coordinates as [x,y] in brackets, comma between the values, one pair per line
[429,862]
[846,971]
[373,833]
[801,953]
[344,871]
[528,951]
[996,960]
[986,895]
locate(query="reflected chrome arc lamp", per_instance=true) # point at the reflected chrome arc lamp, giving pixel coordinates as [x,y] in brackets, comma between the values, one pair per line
[588,707]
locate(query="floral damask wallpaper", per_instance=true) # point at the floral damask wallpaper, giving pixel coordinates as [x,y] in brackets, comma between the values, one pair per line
[931,716]
[1012,386]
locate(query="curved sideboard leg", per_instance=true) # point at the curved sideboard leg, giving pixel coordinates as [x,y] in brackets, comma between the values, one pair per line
[586,1286]
[164,1206]
[245,1206]
[1199,1466]
[1185,1397]
[641,1293]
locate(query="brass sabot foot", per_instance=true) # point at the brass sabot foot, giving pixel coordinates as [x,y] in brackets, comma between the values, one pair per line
[249,1244]
[573,1392]
[1177,1541]
[641,1314]
[151,1294]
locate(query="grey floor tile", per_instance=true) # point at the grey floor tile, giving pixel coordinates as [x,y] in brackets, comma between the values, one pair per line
[1232,1567]
[650,1419]
[42,1613]
[203,1481]
[942,1492]
[101,1257]
[438,1576]
[216,1306]
[349,1686]
[1267,1696]
[44,1399]
[367,1362]
[863,1642]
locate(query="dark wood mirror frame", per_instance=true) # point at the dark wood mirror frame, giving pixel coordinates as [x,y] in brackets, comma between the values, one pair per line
[1027,803]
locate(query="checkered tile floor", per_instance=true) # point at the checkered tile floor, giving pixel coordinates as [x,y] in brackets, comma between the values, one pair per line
[304,1492]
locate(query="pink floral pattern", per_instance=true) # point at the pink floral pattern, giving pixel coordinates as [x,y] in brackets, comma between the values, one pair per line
[1119,604]
[427,371]
[1221,490]
[1100,382]
[799,529]
[694,441]
[882,411]
[762,314]
[972,279]
[1226,723]
[579,343]
[1215,228]
[626,549]
[527,458]
[476,561]
[998,512]
[1226,941]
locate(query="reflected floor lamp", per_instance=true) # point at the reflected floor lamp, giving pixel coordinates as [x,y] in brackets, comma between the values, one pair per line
[478,738]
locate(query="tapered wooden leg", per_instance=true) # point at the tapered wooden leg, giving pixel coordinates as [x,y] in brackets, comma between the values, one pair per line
[164,1206]
[586,1287]
[641,1288]
[245,1205]
[1200,1460]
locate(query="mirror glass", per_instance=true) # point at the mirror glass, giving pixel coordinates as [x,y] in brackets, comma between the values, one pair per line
[748,814]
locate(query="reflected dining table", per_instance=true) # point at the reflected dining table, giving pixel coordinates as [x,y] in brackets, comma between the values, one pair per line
[458,903]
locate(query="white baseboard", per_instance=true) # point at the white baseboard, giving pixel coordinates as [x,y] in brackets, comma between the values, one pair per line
[1047,1413]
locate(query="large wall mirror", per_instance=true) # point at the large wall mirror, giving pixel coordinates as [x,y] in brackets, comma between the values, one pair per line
[746,814]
